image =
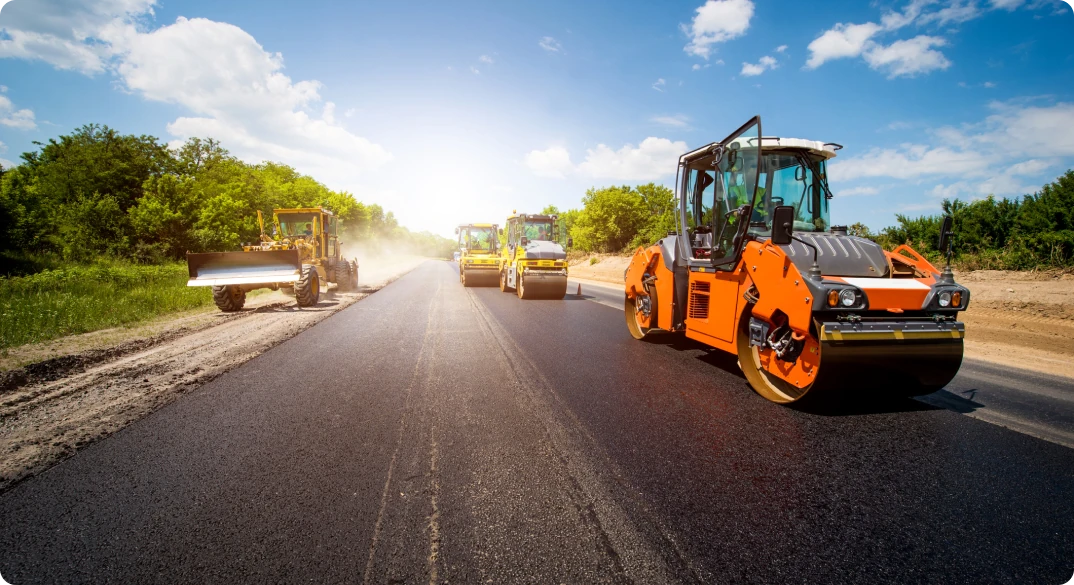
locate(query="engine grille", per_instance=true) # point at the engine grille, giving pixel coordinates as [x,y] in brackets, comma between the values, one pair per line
[699,300]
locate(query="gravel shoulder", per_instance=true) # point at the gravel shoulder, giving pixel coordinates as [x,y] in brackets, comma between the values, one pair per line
[1016,319]
[58,397]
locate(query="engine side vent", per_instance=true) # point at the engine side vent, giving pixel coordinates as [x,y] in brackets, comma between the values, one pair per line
[699,300]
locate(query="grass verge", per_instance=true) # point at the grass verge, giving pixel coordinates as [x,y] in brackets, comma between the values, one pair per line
[79,299]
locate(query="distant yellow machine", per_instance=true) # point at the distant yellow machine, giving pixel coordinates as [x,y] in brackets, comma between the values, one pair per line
[303,252]
[478,260]
[534,263]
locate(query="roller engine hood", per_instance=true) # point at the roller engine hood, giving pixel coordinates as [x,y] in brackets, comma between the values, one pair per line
[544,250]
[838,255]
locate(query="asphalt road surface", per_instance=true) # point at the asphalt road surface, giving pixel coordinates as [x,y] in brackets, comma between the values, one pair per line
[436,434]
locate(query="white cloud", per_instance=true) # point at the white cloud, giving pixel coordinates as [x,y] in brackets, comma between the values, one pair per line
[676,121]
[857,191]
[956,13]
[475,70]
[659,84]
[989,84]
[232,89]
[896,20]
[652,159]
[20,119]
[1007,4]
[350,113]
[841,41]
[553,162]
[1008,153]
[68,34]
[717,21]
[3,89]
[781,48]
[908,57]
[550,44]
[486,59]
[766,63]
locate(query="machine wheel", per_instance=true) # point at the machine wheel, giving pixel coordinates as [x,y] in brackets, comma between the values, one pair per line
[462,277]
[503,282]
[640,326]
[229,298]
[308,288]
[342,275]
[762,382]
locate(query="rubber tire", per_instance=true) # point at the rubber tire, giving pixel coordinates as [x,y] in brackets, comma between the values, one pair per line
[341,273]
[308,288]
[462,277]
[503,282]
[520,287]
[229,298]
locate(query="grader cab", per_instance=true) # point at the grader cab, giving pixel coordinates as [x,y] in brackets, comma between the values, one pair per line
[757,270]
[302,252]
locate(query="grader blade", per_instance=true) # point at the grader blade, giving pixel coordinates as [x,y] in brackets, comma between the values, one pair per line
[257,267]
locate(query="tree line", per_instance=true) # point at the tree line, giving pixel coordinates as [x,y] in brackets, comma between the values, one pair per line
[97,192]
[1032,231]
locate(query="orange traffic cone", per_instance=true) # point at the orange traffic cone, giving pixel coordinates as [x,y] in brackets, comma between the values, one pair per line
[579,293]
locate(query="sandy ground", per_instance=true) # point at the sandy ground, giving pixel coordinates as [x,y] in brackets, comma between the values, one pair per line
[59,396]
[1018,319]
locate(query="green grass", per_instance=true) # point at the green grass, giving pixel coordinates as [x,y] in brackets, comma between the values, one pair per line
[79,299]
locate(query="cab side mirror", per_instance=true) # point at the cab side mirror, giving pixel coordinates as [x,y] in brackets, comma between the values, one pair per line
[456,231]
[945,235]
[501,231]
[525,240]
[782,225]
[570,242]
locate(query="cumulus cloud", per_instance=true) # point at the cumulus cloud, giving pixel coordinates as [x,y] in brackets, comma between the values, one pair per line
[68,34]
[781,48]
[486,59]
[1007,153]
[553,162]
[231,87]
[753,69]
[842,40]
[550,44]
[909,57]
[652,159]
[717,21]
[19,119]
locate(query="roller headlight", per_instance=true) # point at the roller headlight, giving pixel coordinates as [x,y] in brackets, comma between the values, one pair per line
[847,298]
[944,299]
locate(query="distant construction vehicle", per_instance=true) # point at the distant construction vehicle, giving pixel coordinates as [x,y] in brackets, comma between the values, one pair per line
[478,254]
[534,263]
[303,252]
[756,269]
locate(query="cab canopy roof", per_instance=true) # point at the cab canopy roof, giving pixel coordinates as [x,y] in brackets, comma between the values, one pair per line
[477,225]
[824,150]
[302,210]
[534,216]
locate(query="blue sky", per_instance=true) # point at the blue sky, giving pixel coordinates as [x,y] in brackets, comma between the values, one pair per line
[452,112]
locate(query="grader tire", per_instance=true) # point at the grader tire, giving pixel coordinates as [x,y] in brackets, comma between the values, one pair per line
[229,298]
[308,288]
[342,275]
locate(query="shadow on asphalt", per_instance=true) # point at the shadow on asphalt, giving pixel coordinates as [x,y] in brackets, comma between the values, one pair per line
[845,402]
[961,404]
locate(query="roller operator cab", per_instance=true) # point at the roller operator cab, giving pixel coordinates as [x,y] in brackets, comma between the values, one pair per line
[533,263]
[478,254]
[757,270]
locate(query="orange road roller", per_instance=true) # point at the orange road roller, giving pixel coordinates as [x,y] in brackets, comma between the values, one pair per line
[756,269]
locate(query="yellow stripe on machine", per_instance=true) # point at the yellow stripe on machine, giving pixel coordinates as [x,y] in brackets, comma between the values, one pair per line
[848,332]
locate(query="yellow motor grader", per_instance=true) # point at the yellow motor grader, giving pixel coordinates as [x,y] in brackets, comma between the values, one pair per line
[756,270]
[302,252]
[478,248]
[533,264]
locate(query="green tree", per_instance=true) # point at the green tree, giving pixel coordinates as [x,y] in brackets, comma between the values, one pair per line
[610,218]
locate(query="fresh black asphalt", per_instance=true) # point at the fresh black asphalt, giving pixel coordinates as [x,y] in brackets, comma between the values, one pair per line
[432,433]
